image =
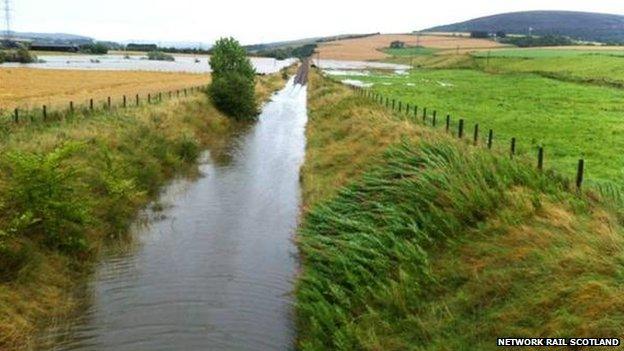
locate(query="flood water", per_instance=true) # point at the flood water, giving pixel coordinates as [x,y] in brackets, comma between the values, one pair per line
[188,64]
[216,271]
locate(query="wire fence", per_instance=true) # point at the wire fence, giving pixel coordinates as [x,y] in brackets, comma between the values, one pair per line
[91,106]
[431,118]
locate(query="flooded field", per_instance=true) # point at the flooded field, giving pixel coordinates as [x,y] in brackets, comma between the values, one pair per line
[140,63]
[214,268]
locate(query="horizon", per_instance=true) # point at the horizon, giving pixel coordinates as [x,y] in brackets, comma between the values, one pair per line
[159,23]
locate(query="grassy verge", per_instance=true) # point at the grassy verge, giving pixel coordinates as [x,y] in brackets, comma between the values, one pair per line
[439,245]
[68,188]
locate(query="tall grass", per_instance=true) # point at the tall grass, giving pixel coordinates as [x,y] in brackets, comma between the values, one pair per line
[439,246]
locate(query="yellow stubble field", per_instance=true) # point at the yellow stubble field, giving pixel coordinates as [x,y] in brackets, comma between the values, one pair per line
[369,48]
[28,88]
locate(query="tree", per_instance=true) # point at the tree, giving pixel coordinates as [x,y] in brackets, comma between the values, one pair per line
[233,80]
[479,34]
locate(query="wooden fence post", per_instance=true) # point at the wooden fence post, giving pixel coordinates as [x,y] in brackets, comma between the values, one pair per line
[393,103]
[149,98]
[159,96]
[137,99]
[71,107]
[125,101]
[415,111]
[490,137]
[108,101]
[460,133]
[91,104]
[16,117]
[400,106]
[475,138]
[579,173]
[540,158]
[513,147]
[45,112]
[424,114]
[433,117]
[448,123]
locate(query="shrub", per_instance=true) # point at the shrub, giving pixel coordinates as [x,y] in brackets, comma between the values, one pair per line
[159,56]
[233,94]
[96,49]
[19,55]
[44,199]
[479,34]
[233,80]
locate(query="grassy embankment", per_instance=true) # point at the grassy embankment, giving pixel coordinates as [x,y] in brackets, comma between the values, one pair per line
[68,188]
[570,120]
[443,246]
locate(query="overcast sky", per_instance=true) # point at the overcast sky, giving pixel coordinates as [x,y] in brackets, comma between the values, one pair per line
[262,21]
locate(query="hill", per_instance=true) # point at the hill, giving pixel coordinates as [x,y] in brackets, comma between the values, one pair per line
[578,25]
[59,38]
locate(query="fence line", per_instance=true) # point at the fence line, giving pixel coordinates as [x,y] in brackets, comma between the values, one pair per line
[24,115]
[379,98]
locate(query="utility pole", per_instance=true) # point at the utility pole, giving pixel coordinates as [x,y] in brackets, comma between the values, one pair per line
[7,19]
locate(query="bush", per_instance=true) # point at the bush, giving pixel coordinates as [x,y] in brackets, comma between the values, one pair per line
[96,49]
[159,56]
[44,200]
[233,80]
[233,94]
[19,55]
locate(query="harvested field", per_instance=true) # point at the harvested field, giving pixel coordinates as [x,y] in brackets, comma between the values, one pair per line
[29,88]
[369,48]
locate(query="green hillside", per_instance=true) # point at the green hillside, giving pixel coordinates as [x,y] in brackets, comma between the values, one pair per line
[578,25]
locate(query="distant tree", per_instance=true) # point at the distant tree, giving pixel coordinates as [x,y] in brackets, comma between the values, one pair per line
[397,44]
[159,56]
[546,40]
[479,34]
[233,80]
[95,49]
[501,34]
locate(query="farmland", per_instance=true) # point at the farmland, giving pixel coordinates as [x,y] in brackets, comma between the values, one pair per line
[30,88]
[416,240]
[371,48]
[568,103]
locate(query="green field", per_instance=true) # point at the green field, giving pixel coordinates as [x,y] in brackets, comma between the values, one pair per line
[569,120]
[541,53]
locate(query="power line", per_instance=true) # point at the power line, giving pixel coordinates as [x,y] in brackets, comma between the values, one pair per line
[8,34]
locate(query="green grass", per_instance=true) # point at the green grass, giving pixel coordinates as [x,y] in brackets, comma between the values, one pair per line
[547,53]
[592,69]
[410,51]
[443,246]
[569,120]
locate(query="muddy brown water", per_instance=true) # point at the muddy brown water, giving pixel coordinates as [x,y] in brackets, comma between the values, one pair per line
[215,269]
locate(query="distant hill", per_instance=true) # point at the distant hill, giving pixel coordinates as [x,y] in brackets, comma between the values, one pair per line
[586,26]
[56,38]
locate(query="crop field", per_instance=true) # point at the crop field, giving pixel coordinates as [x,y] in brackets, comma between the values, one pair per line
[569,120]
[27,88]
[370,48]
